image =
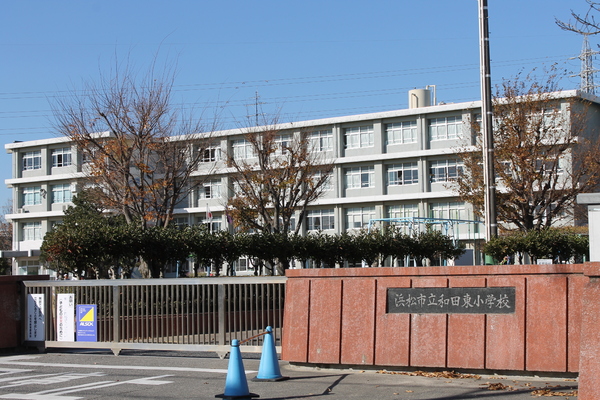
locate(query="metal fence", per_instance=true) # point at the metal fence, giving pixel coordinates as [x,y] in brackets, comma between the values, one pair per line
[202,314]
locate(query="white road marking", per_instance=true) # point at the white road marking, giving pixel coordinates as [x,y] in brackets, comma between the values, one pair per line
[46,379]
[15,361]
[6,371]
[56,394]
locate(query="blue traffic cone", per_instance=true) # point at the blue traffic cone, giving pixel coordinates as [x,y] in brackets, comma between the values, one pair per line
[268,370]
[236,385]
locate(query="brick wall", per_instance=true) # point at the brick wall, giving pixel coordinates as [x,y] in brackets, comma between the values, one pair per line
[12,308]
[338,316]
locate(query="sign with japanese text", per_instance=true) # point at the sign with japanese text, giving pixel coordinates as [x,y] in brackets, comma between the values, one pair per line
[87,328]
[65,317]
[488,300]
[35,317]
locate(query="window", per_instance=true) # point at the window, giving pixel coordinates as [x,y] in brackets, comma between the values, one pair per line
[321,140]
[211,153]
[32,160]
[403,211]
[359,217]
[549,167]
[61,193]
[242,149]
[29,267]
[242,264]
[32,231]
[445,171]
[61,157]
[213,225]
[180,222]
[445,128]
[360,177]
[282,144]
[327,185]
[88,155]
[317,220]
[448,210]
[361,136]
[403,174]
[210,190]
[32,196]
[401,132]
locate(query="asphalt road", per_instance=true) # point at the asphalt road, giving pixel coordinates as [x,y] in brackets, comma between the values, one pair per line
[170,375]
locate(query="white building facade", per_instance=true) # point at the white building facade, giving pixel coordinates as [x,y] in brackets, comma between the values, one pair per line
[394,164]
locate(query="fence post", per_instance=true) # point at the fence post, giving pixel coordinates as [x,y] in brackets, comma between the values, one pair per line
[116,315]
[221,312]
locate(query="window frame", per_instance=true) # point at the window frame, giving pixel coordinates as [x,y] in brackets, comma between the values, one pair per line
[211,153]
[445,128]
[360,177]
[358,137]
[363,213]
[242,149]
[61,157]
[32,230]
[403,211]
[214,186]
[447,208]
[325,218]
[321,140]
[400,174]
[31,196]
[452,169]
[62,188]
[32,160]
[396,132]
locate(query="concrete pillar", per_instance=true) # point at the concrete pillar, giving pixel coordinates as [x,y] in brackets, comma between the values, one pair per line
[592,200]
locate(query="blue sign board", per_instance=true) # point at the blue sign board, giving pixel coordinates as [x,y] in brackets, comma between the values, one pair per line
[87,327]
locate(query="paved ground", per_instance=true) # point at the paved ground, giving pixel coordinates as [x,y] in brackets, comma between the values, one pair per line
[170,375]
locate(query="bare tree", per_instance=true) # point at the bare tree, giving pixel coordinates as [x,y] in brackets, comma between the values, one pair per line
[278,176]
[138,148]
[545,155]
[582,23]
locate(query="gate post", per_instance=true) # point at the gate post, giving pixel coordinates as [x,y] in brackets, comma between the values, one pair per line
[589,362]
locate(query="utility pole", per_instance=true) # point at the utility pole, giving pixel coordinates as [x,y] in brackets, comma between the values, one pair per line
[489,177]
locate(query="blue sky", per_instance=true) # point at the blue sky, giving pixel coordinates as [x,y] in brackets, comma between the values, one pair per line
[306,59]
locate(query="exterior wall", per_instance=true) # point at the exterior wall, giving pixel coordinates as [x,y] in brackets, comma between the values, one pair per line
[338,316]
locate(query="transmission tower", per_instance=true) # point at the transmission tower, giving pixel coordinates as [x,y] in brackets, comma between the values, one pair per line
[585,25]
[587,66]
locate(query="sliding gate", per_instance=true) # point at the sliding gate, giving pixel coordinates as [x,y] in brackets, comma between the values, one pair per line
[202,314]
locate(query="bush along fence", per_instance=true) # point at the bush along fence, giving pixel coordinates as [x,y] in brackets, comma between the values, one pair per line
[557,244]
[101,252]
